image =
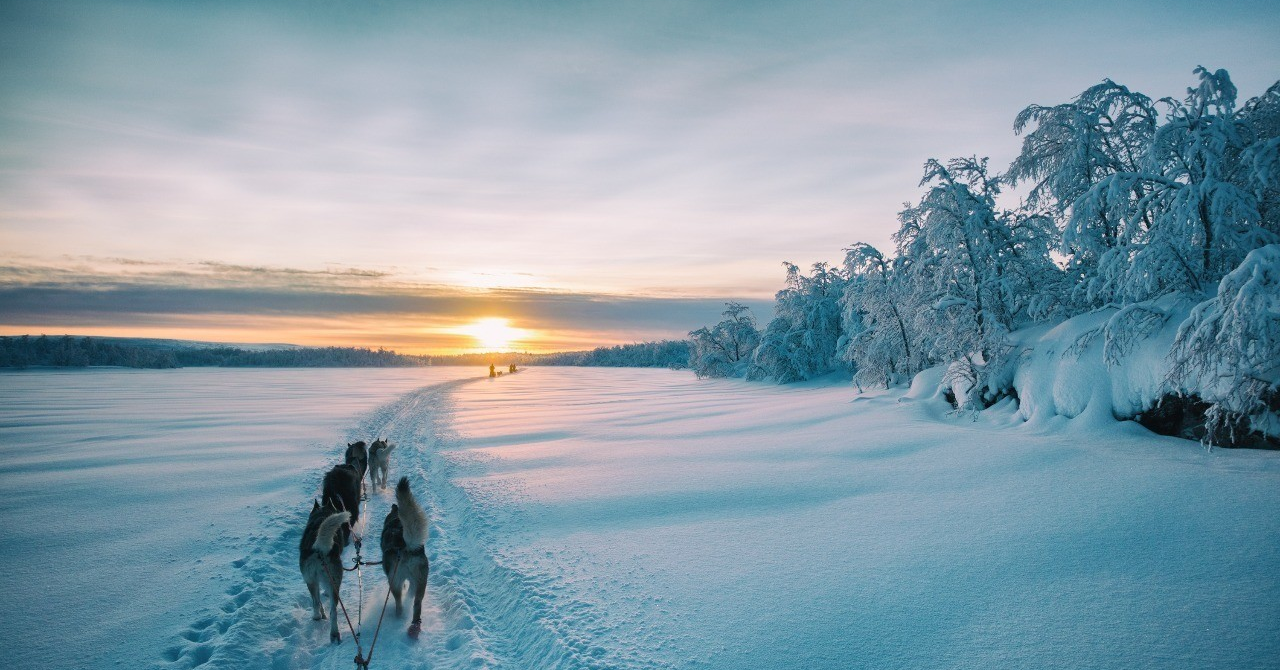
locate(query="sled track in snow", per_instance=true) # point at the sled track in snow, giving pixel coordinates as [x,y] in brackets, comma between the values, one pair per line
[477,614]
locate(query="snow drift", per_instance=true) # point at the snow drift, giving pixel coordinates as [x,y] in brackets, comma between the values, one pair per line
[1122,362]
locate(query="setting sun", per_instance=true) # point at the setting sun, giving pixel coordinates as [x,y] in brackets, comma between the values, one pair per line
[494,334]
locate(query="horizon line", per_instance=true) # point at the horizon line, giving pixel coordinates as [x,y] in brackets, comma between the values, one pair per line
[239,345]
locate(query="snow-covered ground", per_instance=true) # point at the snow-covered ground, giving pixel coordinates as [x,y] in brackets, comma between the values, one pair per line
[621,518]
[152,515]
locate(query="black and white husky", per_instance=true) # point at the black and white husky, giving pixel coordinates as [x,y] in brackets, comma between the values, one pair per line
[320,559]
[379,463]
[341,492]
[404,551]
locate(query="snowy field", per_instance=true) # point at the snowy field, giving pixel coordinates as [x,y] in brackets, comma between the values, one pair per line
[138,505]
[621,518]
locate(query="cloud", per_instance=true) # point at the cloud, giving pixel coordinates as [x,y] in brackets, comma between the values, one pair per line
[670,146]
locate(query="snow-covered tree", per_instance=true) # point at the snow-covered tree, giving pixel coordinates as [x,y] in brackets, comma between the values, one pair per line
[1228,350]
[724,350]
[1105,131]
[880,340]
[1262,114]
[673,354]
[1150,204]
[801,340]
[983,271]
[1200,212]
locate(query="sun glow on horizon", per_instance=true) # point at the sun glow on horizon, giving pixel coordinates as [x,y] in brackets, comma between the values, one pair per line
[495,333]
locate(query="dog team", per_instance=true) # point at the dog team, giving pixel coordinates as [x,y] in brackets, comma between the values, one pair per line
[332,522]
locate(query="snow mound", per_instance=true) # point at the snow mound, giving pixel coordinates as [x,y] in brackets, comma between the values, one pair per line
[1108,364]
[927,384]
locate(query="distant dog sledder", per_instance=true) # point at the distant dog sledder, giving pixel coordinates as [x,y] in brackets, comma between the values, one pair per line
[404,553]
[379,463]
[320,560]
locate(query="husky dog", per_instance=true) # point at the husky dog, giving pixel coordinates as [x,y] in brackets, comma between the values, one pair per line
[358,457]
[404,551]
[320,559]
[379,462]
[342,492]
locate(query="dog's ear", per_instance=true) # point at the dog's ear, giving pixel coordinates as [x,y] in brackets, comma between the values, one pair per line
[315,504]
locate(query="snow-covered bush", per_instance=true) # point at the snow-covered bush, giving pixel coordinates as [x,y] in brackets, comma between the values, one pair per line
[725,349]
[1228,350]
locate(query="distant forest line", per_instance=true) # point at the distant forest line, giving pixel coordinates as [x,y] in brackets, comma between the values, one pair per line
[68,351]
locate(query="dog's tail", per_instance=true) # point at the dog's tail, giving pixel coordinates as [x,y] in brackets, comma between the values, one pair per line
[328,529]
[412,518]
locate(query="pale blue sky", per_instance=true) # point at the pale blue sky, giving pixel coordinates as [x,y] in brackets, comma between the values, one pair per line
[655,149]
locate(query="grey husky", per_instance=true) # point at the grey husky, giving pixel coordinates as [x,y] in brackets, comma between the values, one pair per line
[404,551]
[320,559]
[379,463]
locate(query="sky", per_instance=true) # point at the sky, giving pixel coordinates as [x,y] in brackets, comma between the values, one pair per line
[385,173]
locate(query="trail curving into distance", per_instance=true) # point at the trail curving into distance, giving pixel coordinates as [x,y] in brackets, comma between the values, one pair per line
[476,614]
